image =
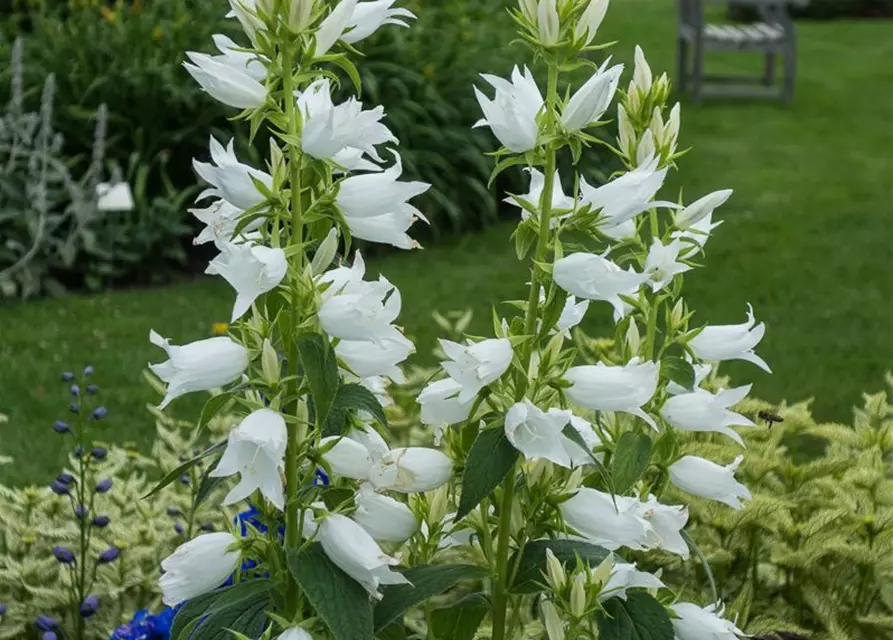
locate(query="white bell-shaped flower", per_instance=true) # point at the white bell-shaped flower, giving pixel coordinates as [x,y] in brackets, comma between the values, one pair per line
[376,206]
[662,263]
[368,359]
[198,567]
[537,434]
[591,100]
[245,11]
[696,235]
[350,547]
[256,450]
[667,522]
[364,311]
[572,314]
[244,61]
[476,364]
[440,403]
[593,515]
[692,622]
[226,82]
[705,411]
[626,576]
[512,113]
[251,270]
[386,519]
[198,366]
[535,194]
[731,342]
[627,196]
[368,17]
[229,178]
[700,209]
[618,388]
[707,479]
[332,28]
[329,129]
[221,219]
[593,277]
[295,633]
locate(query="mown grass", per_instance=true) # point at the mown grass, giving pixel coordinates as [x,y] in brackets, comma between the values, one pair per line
[808,240]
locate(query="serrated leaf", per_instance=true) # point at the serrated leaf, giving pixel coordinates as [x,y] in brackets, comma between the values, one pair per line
[639,617]
[352,397]
[680,371]
[426,581]
[183,468]
[320,367]
[532,563]
[631,457]
[461,620]
[336,597]
[490,460]
[237,607]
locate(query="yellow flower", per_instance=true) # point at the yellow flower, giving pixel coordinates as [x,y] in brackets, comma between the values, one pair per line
[220,328]
[109,15]
[157,33]
[428,71]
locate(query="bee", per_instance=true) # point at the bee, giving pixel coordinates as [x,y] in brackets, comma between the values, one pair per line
[770,417]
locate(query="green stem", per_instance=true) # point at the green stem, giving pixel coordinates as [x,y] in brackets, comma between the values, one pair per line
[651,331]
[500,588]
[292,480]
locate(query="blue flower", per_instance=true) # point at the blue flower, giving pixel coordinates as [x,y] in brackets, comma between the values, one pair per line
[146,626]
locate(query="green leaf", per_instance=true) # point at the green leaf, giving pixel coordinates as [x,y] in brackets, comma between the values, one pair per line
[503,165]
[678,370]
[212,407]
[321,370]
[352,396]
[239,607]
[573,435]
[206,487]
[336,597]
[490,460]
[639,617]
[392,632]
[630,459]
[532,563]
[704,563]
[427,581]
[461,620]
[183,468]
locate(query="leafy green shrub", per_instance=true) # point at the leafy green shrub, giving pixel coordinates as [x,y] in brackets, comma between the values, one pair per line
[828,9]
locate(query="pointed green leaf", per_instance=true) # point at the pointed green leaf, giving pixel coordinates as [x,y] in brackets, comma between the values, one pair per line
[336,597]
[186,466]
[574,436]
[320,367]
[239,607]
[639,617]
[461,620]
[532,564]
[352,397]
[427,581]
[680,371]
[490,460]
[631,457]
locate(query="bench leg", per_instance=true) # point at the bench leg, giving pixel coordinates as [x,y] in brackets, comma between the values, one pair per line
[790,72]
[769,75]
[698,74]
[682,64]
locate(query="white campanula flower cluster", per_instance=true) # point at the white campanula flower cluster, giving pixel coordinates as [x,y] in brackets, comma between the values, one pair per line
[552,448]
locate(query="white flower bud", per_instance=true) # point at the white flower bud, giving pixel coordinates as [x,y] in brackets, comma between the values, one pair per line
[552,621]
[590,21]
[578,595]
[657,126]
[547,21]
[528,8]
[633,339]
[627,137]
[603,572]
[299,14]
[677,312]
[646,149]
[269,363]
[438,504]
[642,76]
[555,573]
[671,131]
[198,566]
[325,253]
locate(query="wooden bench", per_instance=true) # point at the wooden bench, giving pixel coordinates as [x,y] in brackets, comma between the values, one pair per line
[771,35]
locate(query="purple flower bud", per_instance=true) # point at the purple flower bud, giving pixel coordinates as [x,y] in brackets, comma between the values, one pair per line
[46,623]
[61,427]
[101,522]
[99,453]
[207,526]
[49,635]
[75,390]
[109,555]
[99,413]
[78,451]
[80,512]
[67,376]
[92,389]
[185,479]
[63,555]
[74,407]
[173,512]
[65,478]
[88,370]
[89,606]
[2,609]
[103,486]
[59,488]
[179,529]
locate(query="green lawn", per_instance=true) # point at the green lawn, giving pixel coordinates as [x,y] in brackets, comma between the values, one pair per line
[808,240]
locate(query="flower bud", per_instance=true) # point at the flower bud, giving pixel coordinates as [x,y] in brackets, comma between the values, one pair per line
[627,134]
[575,480]
[65,478]
[578,596]
[59,488]
[646,149]
[75,390]
[552,621]
[590,21]
[603,572]
[677,313]
[74,407]
[528,9]
[662,88]
[671,130]
[46,623]
[657,125]
[49,635]
[89,606]
[269,363]
[99,453]
[67,376]
[101,522]
[80,512]
[207,527]
[547,21]
[178,527]
[109,555]
[633,99]
[99,413]
[555,573]
[3,609]
[103,486]
[642,77]
[92,389]
[63,555]
[61,427]
[633,339]
[325,253]
[88,370]
[299,14]
[173,512]
[438,503]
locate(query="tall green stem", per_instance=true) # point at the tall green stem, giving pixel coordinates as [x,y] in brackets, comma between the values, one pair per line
[292,481]
[500,588]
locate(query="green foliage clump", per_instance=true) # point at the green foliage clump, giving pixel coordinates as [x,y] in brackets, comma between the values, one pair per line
[34,519]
